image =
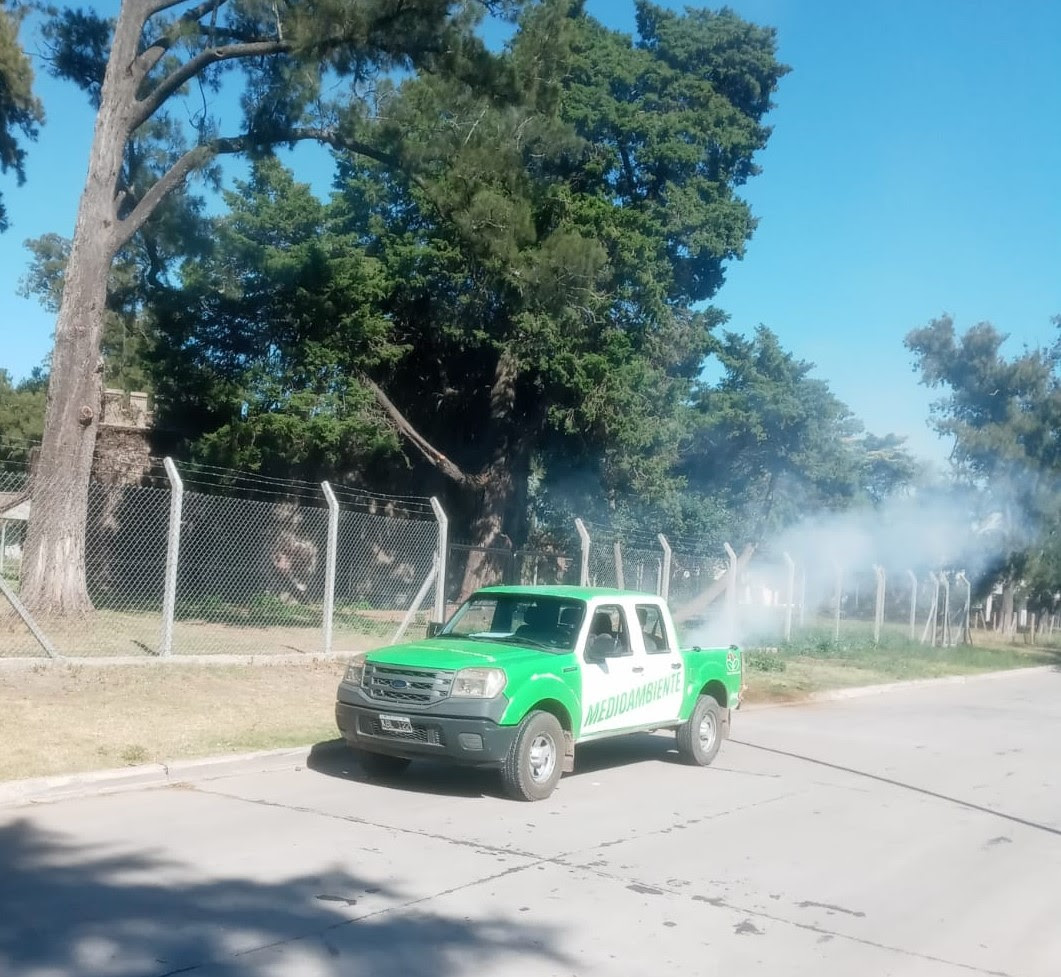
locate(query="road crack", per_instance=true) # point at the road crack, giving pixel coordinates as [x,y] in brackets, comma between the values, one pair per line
[957,801]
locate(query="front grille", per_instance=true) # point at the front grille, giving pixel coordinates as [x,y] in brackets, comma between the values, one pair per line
[412,686]
[431,735]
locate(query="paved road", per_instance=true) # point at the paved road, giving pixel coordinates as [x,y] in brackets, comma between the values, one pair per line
[912,836]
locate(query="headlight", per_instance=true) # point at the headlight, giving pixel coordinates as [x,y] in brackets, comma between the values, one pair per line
[478,683]
[355,671]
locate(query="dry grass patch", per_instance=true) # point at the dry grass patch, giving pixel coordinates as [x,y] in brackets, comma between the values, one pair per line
[67,719]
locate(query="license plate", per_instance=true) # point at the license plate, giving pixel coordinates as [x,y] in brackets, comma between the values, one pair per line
[395,724]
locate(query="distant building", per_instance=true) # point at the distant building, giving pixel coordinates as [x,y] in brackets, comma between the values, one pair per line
[124,440]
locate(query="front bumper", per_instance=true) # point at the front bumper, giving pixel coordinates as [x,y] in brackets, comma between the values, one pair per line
[469,739]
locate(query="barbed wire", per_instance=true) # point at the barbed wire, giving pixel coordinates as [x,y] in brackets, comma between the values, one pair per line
[647,540]
[214,477]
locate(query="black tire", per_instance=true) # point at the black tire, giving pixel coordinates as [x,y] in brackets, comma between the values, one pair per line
[700,739]
[381,765]
[534,763]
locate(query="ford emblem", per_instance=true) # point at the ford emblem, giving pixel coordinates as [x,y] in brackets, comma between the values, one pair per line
[398,683]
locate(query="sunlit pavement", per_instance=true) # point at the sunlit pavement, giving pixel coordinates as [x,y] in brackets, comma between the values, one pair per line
[909,835]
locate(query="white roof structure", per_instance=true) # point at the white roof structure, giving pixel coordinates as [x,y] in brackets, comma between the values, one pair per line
[14,506]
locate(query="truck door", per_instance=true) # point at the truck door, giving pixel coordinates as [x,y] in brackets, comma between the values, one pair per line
[664,667]
[608,674]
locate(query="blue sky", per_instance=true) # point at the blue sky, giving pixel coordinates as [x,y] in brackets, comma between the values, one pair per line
[913,171]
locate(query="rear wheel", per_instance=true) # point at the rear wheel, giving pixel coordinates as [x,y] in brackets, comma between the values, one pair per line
[532,768]
[380,764]
[700,739]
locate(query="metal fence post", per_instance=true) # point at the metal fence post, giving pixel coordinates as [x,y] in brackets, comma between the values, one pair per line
[443,551]
[878,607]
[27,619]
[802,595]
[945,581]
[913,604]
[620,577]
[583,535]
[929,634]
[173,546]
[331,560]
[731,592]
[790,597]
[839,600]
[664,581]
[966,638]
[414,607]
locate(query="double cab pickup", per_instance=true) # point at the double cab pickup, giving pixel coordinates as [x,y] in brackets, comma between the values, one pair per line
[519,676]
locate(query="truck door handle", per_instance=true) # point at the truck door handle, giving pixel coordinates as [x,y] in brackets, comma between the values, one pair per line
[675,665]
[638,668]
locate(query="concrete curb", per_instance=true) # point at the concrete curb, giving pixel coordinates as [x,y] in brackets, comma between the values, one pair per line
[42,790]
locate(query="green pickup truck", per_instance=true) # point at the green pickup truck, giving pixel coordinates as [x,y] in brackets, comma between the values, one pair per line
[519,675]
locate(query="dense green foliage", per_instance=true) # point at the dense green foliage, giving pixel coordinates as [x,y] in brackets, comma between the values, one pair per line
[517,273]
[262,348]
[21,415]
[505,300]
[773,442]
[1004,415]
[20,110]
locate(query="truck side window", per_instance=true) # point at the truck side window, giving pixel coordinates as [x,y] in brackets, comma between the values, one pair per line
[610,620]
[653,629]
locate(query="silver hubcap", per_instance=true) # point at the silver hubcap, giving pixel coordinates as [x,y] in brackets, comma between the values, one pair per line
[542,758]
[707,733]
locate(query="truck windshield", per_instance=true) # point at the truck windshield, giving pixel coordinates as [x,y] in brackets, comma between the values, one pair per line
[532,620]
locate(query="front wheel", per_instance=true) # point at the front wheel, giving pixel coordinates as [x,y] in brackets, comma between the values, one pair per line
[381,765]
[532,767]
[700,739]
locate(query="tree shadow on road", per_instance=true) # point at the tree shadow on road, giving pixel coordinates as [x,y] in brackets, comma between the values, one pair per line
[426,776]
[75,911]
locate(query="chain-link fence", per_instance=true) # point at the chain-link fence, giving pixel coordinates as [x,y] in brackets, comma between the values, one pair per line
[765,598]
[207,561]
[470,566]
[821,602]
[386,577]
[124,560]
[15,638]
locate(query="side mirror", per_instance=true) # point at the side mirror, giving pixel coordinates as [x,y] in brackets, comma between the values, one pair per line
[600,647]
[433,628]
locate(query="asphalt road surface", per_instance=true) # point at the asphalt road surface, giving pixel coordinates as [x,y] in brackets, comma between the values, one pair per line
[909,835]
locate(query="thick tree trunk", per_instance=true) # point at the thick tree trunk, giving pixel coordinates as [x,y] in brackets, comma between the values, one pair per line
[501,484]
[487,532]
[53,577]
[1009,619]
[499,490]
[500,517]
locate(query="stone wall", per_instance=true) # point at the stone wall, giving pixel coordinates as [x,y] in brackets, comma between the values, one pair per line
[123,443]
